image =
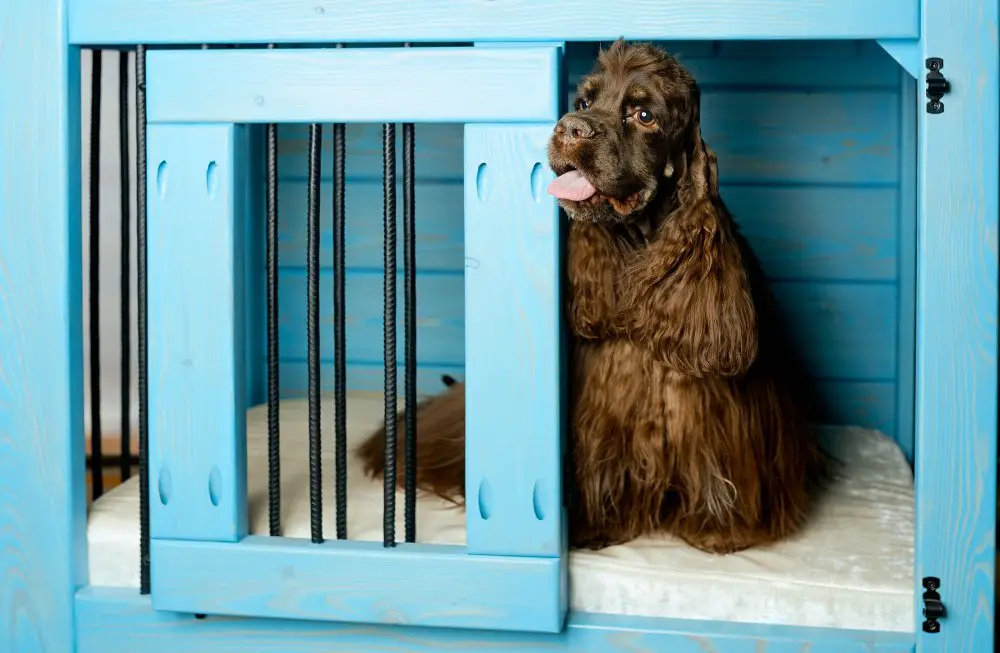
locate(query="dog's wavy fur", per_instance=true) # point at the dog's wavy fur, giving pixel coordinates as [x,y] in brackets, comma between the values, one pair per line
[688,412]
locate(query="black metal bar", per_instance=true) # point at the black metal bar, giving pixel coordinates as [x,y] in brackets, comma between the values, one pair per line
[410,329]
[339,328]
[143,354]
[126,267]
[94,298]
[273,431]
[389,330]
[312,333]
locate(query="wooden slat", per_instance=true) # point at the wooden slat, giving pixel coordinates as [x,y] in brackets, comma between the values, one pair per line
[43,543]
[279,21]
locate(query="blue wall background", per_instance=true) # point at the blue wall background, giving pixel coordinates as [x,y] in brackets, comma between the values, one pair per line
[817,162]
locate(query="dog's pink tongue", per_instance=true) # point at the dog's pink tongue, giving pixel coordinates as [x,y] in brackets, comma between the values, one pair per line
[572,186]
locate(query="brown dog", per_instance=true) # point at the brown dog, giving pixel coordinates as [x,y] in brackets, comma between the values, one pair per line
[687,414]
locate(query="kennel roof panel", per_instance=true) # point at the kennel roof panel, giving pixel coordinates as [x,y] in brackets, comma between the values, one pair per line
[330,21]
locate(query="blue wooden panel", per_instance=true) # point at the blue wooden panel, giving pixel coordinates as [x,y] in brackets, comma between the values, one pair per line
[798,232]
[367,377]
[440,316]
[757,133]
[804,233]
[43,549]
[957,271]
[255,320]
[844,331]
[812,65]
[121,621]
[360,582]
[353,85]
[439,233]
[906,364]
[329,21]
[197,395]
[832,137]
[862,403]
[438,152]
[513,334]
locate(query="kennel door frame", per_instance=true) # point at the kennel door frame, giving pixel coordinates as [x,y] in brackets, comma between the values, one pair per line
[955,466]
[512,574]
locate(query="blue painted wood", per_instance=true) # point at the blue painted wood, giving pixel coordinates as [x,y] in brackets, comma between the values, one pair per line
[365,377]
[803,136]
[440,317]
[906,52]
[120,621]
[43,550]
[197,393]
[799,232]
[907,265]
[353,85]
[254,260]
[359,582]
[281,21]
[957,271]
[513,344]
[868,403]
[794,64]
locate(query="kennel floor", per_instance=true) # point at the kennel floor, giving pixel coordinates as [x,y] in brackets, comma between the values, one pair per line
[851,567]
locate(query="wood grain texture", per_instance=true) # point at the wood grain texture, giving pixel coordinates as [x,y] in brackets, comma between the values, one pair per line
[120,621]
[353,85]
[197,398]
[513,344]
[43,547]
[331,21]
[957,273]
[359,582]
[761,136]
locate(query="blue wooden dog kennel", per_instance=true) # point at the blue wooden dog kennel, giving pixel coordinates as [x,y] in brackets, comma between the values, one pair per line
[858,147]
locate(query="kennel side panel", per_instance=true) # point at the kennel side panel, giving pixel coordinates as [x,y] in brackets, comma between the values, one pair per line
[331,21]
[360,582]
[513,343]
[197,393]
[957,272]
[120,621]
[43,546]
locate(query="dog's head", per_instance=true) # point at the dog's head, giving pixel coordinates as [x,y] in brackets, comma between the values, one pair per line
[632,132]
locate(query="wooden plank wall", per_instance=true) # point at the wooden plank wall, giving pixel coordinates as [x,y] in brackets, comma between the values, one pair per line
[816,159]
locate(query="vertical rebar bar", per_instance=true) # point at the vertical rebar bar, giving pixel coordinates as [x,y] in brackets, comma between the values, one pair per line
[389,330]
[312,332]
[410,330]
[273,387]
[143,354]
[339,326]
[94,297]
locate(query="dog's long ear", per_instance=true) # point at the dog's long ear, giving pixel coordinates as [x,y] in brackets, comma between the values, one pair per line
[688,296]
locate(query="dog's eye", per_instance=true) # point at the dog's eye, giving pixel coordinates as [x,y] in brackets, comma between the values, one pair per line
[583,104]
[645,117]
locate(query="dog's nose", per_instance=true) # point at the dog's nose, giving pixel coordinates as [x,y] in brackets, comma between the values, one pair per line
[572,127]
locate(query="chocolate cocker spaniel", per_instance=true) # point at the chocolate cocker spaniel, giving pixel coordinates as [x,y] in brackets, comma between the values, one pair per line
[687,410]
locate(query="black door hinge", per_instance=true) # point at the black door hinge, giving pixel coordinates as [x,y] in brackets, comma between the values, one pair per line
[933,607]
[937,85]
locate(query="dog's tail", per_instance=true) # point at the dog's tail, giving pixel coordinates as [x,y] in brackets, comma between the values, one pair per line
[440,464]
